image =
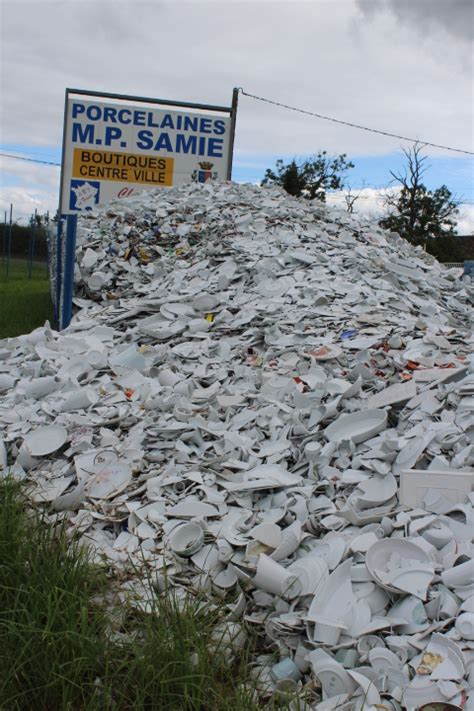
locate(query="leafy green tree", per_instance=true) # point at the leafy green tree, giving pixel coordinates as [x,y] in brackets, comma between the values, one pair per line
[310,178]
[420,215]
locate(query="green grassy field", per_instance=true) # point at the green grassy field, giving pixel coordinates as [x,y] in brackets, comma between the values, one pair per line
[24,303]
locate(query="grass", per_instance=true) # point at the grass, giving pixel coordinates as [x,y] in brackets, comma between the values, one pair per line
[56,649]
[25,303]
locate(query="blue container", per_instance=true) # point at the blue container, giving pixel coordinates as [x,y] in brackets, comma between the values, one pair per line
[469,268]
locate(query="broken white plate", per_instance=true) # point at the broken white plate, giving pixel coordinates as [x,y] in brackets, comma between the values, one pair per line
[461,574]
[264,476]
[335,598]
[444,658]
[45,440]
[70,500]
[400,565]
[192,509]
[311,571]
[331,548]
[128,359]
[109,481]
[376,490]
[333,677]
[327,352]
[205,303]
[357,427]
[409,615]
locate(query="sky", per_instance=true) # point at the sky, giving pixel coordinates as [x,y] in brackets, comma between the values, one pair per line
[399,66]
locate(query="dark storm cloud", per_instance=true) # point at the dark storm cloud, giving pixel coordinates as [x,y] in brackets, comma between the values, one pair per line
[455,17]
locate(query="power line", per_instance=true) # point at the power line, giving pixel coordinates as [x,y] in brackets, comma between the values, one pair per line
[385,187]
[29,160]
[354,125]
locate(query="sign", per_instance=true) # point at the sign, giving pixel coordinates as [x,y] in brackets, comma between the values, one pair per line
[115,146]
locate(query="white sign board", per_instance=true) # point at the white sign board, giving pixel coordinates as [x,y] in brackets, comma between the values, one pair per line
[114,147]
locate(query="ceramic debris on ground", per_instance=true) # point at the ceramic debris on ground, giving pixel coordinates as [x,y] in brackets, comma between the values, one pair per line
[271,402]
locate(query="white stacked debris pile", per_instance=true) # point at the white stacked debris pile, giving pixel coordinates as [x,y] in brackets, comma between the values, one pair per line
[273,402]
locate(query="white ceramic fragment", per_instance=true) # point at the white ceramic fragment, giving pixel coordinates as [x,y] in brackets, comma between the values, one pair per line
[335,598]
[465,625]
[332,676]
[70,500]
[3,454]
[80,399]
[128,359]
[266,374]
[399,565]
[461,574]
[187,539]
[356,427]
[454,485]
[274,578]
[108,481]
[41,387]
[393,395]
[192,509]
[376,490]
[45,440]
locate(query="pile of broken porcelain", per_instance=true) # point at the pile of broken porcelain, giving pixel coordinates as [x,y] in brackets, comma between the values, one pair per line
[272,403]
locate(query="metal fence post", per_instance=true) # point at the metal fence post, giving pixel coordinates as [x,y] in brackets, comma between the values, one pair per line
[9,246]
[4,252]
[32,246]
[46,230]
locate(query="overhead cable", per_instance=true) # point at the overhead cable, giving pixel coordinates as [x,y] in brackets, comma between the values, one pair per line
[354,125]
[29,160]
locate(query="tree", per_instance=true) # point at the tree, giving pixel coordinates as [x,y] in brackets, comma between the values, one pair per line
[419,215]
[351,198]
[310,178]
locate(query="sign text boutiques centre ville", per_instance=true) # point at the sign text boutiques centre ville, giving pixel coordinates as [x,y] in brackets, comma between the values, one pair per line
[115,145]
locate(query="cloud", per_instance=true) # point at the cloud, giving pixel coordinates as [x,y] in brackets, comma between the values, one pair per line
[28,173]
[322,56]
[28,186]
[370,205]
[301,53]
[455,17]
[25,201]
[465,221]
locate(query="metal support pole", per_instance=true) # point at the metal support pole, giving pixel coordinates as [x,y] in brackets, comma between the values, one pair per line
[69,263]
[59,271]
[233,119]
[4,251]
[63,155]
[32,247]
[9,246]
[46,232]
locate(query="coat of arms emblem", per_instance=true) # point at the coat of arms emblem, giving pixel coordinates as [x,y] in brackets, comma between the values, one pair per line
[204,173]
